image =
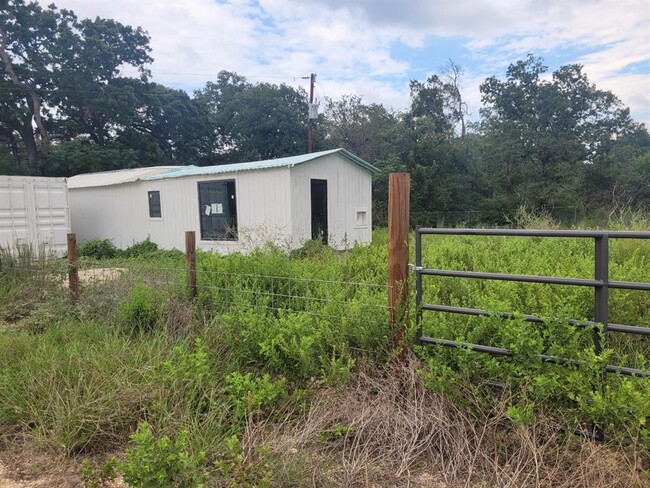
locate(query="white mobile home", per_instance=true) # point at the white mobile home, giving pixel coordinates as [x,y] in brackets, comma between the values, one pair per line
[233,207]
[34,213]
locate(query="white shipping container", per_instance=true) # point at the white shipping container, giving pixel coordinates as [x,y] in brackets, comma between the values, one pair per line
[34,212]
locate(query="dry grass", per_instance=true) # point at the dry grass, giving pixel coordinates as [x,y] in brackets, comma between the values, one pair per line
[390,430]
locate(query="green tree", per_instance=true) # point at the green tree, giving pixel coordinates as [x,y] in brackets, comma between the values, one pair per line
[542,137]
[373,133]
[436,157]
[58,72]
[255,121]
[167,126]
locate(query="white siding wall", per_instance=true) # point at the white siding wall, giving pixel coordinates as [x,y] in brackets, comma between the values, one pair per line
[34,212]
[349,190]
[121,212]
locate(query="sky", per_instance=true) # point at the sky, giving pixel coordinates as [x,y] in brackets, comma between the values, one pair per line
[372,48]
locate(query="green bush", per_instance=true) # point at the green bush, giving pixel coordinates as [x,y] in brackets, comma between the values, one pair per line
[99,476]
[98,249]
[312,249]
[233,468]
[264,393]
[139,249]
[162,462]
[81,386]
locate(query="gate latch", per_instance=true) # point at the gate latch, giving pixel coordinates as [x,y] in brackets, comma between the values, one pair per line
[415,268]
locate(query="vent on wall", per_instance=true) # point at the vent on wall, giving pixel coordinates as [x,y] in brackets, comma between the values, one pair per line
[362,218]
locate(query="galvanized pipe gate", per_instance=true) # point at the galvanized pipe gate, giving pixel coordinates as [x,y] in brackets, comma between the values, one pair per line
[600,283]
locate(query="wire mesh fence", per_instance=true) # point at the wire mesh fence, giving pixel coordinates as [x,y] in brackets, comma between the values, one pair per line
[104,284]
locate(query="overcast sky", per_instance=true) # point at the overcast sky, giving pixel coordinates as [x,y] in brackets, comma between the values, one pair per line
[372,48]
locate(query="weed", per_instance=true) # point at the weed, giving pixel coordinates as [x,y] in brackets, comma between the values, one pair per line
[313,249]
[162,462]
[138,249]
[335,433]
[72,383]
[98,249]
[257,392]
[99,476]
[142,312]
[237,469]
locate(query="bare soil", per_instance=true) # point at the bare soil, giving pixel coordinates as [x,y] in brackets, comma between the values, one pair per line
[39,470]
[99,274]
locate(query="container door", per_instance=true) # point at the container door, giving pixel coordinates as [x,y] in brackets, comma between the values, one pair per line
[52,221]
[14,223]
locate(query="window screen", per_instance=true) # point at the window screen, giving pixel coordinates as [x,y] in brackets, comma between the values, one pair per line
[154,204]
[218,210]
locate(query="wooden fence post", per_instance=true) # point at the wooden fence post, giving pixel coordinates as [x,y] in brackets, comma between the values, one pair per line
[399,185]
[190,261]
[73,268]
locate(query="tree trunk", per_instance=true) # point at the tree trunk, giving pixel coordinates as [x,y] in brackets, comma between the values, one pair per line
[27,135]
[13,144]
[462,123]
[32,96]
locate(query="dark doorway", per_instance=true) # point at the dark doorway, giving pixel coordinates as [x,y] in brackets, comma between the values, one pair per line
[319,210]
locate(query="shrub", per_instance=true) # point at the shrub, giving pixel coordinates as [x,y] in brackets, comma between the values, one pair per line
[237,469]
[162,462]
[141,313]
[312,249]
[98,249]
[264,393]
[138,249]
[99,476]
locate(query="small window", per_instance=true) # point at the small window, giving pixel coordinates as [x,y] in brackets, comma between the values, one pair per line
[218,210]
[155,211]
[362,218]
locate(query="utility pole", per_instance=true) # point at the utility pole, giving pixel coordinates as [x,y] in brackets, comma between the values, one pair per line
[312,115]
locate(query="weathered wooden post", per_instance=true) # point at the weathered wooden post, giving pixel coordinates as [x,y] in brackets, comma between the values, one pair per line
[73,268]
[190,261]
[399,186]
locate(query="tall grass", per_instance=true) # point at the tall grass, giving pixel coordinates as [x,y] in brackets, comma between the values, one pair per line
[282,366]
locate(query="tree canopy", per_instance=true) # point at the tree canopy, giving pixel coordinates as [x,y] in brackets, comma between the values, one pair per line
[548,142]
[59,74]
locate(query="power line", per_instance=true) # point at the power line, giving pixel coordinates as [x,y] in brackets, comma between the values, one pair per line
[177,73]
[100,91]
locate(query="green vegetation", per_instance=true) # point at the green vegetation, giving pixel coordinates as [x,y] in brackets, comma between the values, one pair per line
[281,368]
[552,141]
[105,249]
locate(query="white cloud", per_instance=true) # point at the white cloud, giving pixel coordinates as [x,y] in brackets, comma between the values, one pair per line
[349,43]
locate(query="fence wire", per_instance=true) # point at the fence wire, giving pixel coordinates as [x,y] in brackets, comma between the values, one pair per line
[103,282]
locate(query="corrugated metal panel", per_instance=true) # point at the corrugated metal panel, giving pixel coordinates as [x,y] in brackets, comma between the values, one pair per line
[107,178]
[120,213]
[273,205]
[34,212]
[255,165]
[349,192]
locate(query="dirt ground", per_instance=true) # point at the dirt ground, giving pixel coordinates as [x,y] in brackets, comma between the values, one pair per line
[98,274]
[36,473]
[34,470]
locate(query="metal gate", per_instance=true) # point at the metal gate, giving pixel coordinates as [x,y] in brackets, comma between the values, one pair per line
[600,284]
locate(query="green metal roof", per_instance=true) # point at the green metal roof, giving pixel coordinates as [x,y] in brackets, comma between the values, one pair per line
[253,165]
